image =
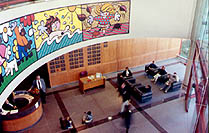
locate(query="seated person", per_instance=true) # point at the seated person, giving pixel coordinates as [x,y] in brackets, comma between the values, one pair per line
[151,68]
[66,123]
[169,84]
[160,72]
[147,88]
[127,73]
[163,78]
[87,118]
[8,106]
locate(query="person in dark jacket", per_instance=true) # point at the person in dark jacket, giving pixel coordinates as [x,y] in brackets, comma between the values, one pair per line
[127,117]
[151,68]
[39,83]
[87,118]
[127,72]
[160,73]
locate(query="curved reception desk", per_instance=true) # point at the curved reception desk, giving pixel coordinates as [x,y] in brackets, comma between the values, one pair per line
[29,111]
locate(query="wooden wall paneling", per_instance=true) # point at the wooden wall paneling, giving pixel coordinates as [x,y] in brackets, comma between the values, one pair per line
[109,49]
[127,62]
[161,47]
[116,55]
[73,74]
[85,57]
[50,77]
[138,47]
[109,67]
[124,49]
[58,78]
[124,53]
[94,69]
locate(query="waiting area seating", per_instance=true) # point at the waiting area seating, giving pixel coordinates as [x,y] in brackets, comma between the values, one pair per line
[135,89]
[152,70]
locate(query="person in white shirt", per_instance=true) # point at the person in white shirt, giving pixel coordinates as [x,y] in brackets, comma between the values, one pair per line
[169,84]
[127,73]
[40,84]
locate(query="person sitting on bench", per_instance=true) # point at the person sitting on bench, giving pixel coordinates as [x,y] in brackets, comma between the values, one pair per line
[160,72]
[169,84]
[66,123]
[87,118]
[127,72]
[151,68]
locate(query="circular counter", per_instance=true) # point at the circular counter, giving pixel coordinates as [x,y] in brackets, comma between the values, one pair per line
[29,113]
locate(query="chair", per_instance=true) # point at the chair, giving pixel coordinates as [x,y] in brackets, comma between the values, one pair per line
[83,74]
[176,86]
[143,94]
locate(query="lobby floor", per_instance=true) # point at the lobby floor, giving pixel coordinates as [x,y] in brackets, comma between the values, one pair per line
[164,113]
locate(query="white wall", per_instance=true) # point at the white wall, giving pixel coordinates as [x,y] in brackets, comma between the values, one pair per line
[149,18]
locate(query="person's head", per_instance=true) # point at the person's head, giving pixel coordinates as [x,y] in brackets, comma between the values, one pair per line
[68,118]
[153,62]
[22,32]
[38,77]
[148,86]
[175,73]
[163,67]
[7,101]
[52,24]
[105,9]
[126,68]
[89,113]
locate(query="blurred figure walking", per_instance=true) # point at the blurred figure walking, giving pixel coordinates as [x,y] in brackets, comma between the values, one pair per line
[127,117]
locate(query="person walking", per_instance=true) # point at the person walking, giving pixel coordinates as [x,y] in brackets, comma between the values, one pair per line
[127,117]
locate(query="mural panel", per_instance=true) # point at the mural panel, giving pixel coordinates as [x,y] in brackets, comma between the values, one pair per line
[27,39]
[56,29]
[104,19]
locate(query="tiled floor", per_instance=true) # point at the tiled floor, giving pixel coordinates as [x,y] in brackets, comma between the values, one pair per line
[168,116]
[101,102]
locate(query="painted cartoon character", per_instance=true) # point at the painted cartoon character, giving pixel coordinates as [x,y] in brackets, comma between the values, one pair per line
[4,55]
[105,13]
[22,42]
[10,66]
[53,28]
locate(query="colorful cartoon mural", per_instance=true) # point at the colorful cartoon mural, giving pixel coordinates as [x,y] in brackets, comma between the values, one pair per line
[105,19]
[27,39]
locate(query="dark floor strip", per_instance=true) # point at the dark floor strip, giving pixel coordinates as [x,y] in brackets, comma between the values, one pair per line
[148,117]
[115,85]
[64,111]
[99,122]
[141,110]
[66,89]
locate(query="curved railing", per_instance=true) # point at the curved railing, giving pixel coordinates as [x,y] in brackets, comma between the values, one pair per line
[44,33]
[5,4]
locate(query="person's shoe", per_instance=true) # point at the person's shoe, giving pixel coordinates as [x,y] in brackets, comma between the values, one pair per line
[152,80]
[161,89]
[165,91]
